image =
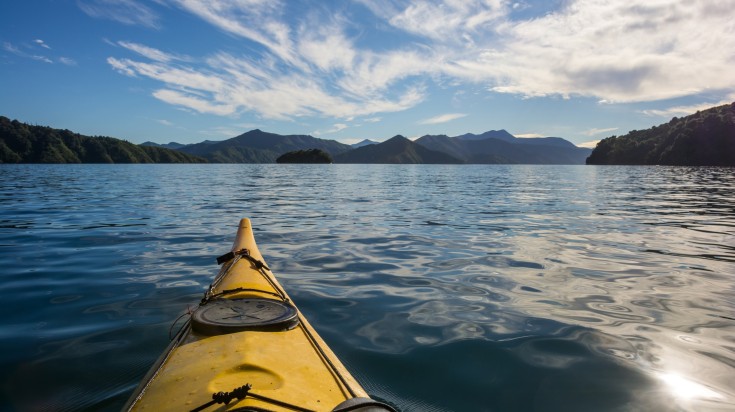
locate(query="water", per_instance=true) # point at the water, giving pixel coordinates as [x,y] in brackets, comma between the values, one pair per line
[457,288]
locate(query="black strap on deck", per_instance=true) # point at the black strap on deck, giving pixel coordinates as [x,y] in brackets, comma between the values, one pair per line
[242,253]
[243,392]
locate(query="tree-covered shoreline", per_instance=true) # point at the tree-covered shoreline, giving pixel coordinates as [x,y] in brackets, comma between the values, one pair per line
[706,138]
[23,143]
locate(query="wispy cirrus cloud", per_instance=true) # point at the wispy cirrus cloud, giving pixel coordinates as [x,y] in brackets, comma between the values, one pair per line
[317,64]
[453,21]
[337,127]
[257,20]
[26,52]
[300,72]
[686,110]
[30,51]
[596,131]
[613,51]
[589,145]
[150,52]
[67,61]
[42,44]
[444,118]
[225,85]
[129,12]
[227,131]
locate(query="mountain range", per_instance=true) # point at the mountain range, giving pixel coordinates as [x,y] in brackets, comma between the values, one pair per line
[499,146]
[257,146]
[23,143]
[706,138]
[396,150]
[494,146]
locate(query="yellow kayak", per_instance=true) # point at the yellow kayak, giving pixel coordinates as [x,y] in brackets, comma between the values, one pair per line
[248,348]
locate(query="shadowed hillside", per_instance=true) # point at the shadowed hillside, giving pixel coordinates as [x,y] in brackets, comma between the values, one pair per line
[257,146]
[706,138]
[395,150]
[23,143]
[502,147]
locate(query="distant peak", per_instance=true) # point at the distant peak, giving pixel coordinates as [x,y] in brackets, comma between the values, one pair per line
[365,142]
[501,134]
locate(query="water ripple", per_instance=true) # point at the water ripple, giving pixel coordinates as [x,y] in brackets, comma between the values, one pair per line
[536,288]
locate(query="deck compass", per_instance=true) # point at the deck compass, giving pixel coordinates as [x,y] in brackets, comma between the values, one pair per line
[222,316]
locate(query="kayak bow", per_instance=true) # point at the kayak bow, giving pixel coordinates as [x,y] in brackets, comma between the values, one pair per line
[248,348]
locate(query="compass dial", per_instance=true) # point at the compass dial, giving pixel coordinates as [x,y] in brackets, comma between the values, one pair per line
[235,315]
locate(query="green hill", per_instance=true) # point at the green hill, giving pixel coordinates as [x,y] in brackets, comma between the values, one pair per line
[706,138]
[257,146]
[398,149]
[501,147]
[23,143]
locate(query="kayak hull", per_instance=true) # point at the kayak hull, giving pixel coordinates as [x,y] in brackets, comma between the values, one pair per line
[247,331]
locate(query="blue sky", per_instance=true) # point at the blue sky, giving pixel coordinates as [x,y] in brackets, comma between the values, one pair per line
[186,71]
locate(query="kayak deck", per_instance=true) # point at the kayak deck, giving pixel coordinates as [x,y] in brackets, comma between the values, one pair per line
[246,331]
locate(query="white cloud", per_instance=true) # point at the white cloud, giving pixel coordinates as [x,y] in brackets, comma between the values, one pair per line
[165,122]
[226,131]
[255,20]
[150,52]
[67,61]
[28,51]
[192,102]
[452,20]
[42,59]
[301,72]
[120,67]
[9,47]
[328,49]
[616,51]
[528,135]
[444,118]
[589,145]
[318,64]
[227,84]
[595,131]
[42,44]
[179,77]
[685,110]
[335,128]
[130,12]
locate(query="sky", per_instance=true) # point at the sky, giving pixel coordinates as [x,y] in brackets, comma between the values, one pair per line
[348,70]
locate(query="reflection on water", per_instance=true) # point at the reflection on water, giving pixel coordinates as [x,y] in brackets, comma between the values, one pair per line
[538,288]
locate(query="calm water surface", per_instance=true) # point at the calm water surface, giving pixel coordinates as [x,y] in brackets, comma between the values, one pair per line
[442,288]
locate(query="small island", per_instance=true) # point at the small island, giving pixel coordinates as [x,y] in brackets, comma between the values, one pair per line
[305,156]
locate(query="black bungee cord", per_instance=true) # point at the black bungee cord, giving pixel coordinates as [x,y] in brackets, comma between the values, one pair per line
[241,393]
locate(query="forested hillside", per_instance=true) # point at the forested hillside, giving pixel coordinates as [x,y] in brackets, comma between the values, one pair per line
[706,138]
[23,143]
[494,147]
[257,146]
[397,150]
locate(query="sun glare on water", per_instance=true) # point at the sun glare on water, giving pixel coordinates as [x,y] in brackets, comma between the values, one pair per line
[685,389]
